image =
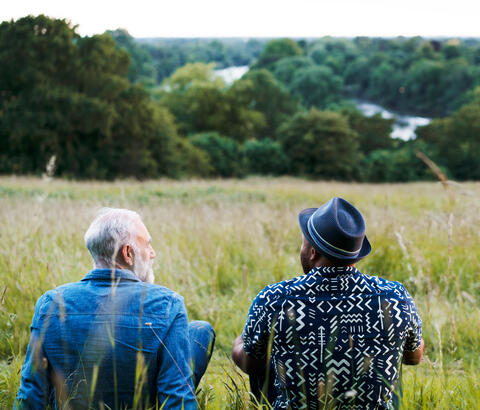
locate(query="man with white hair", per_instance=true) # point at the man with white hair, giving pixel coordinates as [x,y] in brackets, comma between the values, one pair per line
[114,339]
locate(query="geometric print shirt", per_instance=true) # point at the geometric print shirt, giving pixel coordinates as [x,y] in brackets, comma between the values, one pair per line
[334,338]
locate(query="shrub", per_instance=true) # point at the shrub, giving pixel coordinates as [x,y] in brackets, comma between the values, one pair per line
[265,157]
[223,153]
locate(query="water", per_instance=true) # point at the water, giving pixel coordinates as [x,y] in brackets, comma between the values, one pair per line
[230,74]
[404,126]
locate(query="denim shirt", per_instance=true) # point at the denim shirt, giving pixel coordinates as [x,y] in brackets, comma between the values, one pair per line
[109,339]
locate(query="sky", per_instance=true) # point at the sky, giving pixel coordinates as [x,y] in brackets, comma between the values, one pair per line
[260,18]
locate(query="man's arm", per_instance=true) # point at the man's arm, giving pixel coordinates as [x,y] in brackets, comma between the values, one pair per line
[35,385]
[174,384]
[414,358]
[414,344]
[248,364]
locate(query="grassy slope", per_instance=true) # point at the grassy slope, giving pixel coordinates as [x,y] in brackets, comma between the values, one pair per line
[219,242]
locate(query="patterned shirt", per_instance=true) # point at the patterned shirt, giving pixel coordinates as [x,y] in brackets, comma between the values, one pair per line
[335,338]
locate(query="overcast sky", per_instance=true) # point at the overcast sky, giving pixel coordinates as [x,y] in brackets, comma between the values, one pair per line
[260,18]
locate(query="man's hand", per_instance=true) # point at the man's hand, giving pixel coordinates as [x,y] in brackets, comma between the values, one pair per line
[413,358]
[248,364]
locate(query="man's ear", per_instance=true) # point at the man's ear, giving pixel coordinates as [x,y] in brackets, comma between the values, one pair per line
[127,254]
[314,254]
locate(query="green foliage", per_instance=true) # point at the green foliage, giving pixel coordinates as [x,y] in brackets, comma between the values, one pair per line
[422,83]
[286,68]
[265,157]
[275,50]
[31,51]
[170,54]
[334,53]
[373,132]
[385,84]
[201,102]
[187,160]
[223,153]
[396,164]
[195,97]
[321,144]
[141,67]
[87,101]
[317,86]
[69,97]
[455,141]
[410,75]
[260,91]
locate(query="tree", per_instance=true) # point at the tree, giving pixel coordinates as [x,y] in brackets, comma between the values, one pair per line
[195,97]
[373,132]
[423,86]
[317,86]
[200,102]
[223,153]
[275,50]
[399,164]
[455,141]
[321,144]
[333,53]
[265,157]
[385,85]
[458,78]
[260,91]
[141,67]
[357,76]
[69,96]
[286,68]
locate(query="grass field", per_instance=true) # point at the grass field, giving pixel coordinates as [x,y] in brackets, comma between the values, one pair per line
[219,242]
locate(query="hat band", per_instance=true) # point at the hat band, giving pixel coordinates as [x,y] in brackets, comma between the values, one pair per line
[322,242]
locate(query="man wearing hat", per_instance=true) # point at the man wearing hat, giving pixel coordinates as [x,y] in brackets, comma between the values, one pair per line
[333,337]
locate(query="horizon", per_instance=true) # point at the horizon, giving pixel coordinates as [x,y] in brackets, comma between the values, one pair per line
[246,38]
[266,19]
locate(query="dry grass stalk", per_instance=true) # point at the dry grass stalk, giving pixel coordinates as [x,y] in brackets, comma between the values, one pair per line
[434,168]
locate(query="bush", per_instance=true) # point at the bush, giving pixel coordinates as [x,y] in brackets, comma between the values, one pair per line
[188,160]
[265,157]
[223,153]
[321,144]
[399,164]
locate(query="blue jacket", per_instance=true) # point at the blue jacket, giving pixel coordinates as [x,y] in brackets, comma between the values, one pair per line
[110,339]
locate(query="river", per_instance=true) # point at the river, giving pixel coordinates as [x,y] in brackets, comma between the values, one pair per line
[230,74]
[403,128]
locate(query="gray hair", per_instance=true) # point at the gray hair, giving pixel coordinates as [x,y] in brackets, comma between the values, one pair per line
[109,231]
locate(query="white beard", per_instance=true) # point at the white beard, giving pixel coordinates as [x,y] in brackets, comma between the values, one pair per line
[143,269]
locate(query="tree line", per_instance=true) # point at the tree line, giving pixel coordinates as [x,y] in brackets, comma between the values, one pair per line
[108,106]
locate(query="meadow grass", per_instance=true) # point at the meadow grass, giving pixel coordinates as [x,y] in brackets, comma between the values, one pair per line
[219,242]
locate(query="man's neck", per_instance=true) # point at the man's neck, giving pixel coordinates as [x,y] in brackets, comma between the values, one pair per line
[325,262]
[112,266]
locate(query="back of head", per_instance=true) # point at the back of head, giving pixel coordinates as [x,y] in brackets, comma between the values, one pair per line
[109,231]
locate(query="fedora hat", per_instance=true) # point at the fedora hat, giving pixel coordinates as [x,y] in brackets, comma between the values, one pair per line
[336,230]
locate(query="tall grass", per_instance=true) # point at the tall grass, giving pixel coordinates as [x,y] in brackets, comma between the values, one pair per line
[219,242]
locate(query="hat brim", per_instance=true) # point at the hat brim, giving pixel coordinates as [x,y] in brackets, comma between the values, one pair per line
[303,218]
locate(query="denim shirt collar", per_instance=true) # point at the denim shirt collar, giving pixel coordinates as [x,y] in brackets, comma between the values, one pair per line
[111,274]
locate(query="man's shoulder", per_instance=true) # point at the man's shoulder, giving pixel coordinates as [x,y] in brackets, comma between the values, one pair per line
[277,291]
[155,299]
[386,287]
[159,292]
[159,301]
